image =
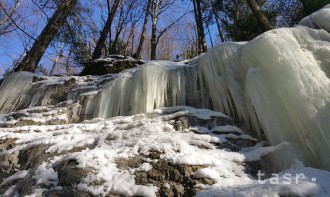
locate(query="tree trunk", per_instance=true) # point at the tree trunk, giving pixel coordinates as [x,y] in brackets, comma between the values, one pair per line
[209,32]
[109,44]
[153,40]
[219,29]
[118,29]
[67,65]
[106,30]
[216,16]
[153,54]
[144,28]
[200,28]
[130,39]
[261,18]
[196,21]
[60,52]
[33,57]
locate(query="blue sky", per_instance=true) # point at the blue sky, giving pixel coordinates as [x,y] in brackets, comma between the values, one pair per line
[11,45]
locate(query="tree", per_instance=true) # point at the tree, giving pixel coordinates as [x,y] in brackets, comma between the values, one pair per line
[217,20]
[144,28]
[200,27]
[128,15]
[59,55]
[158,7]
[33,56]
[261,17]
[237,20]
[310,6]
[154,19]
[120,25]
[100,45]
[7,20]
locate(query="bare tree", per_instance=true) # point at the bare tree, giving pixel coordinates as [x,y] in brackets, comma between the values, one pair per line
[59,55]
[128,14]
[158,7]
[200,27]
[33,56]
[144,28]
[9,19]
[100,45]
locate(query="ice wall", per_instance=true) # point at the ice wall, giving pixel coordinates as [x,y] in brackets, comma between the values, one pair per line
[13,91]
[154,85]
[277,85]
[290,89]
[283,77]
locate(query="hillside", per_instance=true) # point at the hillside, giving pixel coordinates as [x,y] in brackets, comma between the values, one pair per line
[220,124]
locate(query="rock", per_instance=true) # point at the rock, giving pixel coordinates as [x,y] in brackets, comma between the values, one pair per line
[7,144]
[134,162]
[144,167]
[110,64]
[32,157]
[38,78]
[173,180]
[8,165]
[69,174]
[51,115]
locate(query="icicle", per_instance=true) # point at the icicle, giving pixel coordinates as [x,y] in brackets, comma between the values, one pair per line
[14,90]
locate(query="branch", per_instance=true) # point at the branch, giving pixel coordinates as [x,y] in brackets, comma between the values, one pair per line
[40,8]
[9,16]
[170,26]
[11,12]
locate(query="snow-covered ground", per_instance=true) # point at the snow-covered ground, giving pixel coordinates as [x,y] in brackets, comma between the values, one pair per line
[97,145]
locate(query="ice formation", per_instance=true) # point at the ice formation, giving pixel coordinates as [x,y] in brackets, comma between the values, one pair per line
[277,85]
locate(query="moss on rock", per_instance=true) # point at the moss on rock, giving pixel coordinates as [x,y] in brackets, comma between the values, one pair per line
[109,65]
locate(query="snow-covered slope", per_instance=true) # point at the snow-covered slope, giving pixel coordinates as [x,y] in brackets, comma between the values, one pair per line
[171,151]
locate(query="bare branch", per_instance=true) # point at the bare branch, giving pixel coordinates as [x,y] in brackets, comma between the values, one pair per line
[170,26]
[13,21]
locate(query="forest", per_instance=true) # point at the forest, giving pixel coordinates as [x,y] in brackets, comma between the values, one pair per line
[60,37]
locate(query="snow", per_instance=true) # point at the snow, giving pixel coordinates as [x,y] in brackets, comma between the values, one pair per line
[227,128]
[203,114]
[296,181]
[318,20]
[17,175]
[108,140]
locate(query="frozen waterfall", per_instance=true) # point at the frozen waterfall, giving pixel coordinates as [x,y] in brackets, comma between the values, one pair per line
[277,85]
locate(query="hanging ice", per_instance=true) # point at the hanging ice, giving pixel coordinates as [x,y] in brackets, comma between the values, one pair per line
[277,84]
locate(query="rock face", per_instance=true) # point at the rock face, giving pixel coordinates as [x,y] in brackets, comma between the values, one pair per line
[110,64]
[162,153]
